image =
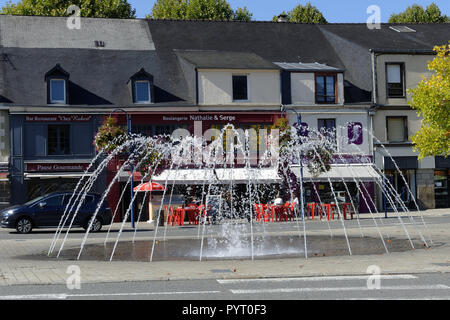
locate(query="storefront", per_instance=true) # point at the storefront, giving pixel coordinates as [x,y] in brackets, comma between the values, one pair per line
[403,179]
[194,123]
[49,153]
[43,178]
[442,182]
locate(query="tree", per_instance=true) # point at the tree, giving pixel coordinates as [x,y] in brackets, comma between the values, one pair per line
[88,8]
[197,10]
[417,14]
[304,14]
[431,99]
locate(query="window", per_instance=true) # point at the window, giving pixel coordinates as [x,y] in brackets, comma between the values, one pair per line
[142,91]
[397,130]
[394,79]
[57,91]
[240,88]
[53,201]
[328,128]
[58,140]
[326,89]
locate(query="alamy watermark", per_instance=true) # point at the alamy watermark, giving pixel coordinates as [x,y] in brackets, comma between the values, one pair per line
[73,281]
[374,20]
[374,280]
[74,19]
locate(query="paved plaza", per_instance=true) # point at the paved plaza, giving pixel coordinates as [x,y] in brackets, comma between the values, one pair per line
[23,260]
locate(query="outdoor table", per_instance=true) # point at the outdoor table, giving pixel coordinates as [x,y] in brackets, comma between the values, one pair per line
[191,212]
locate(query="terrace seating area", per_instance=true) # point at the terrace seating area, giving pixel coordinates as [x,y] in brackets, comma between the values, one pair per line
[289,211]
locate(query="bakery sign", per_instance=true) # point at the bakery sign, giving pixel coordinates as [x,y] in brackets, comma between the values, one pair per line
[57,167]
[58,118]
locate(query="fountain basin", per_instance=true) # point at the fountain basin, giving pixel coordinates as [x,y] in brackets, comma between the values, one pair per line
[214,248]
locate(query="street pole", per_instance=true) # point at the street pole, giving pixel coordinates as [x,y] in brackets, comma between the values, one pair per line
[299,125]
[129,126]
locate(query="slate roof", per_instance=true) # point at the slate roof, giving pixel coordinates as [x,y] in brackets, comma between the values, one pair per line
[31,46]
[213,59]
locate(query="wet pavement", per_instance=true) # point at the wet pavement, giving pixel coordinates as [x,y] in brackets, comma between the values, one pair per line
[267,247]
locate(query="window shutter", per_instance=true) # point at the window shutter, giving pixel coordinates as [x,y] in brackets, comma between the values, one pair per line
[396,129]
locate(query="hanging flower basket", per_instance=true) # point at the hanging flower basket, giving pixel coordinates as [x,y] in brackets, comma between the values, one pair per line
[109,136]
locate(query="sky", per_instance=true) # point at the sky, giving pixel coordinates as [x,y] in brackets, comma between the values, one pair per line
[338,11]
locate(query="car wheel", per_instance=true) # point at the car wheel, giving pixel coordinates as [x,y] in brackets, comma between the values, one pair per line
[96,225]
[24,225]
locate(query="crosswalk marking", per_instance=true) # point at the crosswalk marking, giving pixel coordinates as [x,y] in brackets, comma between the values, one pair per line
[61,296]
[291,290]
[326,278]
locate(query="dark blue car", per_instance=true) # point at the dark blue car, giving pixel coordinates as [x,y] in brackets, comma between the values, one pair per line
[46,212]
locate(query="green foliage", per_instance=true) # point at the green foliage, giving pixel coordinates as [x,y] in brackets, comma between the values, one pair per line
[197,10]
[242,14]
[109,135]
[417,14]
[431,99]
[304,14]
[284,128]
[89,8]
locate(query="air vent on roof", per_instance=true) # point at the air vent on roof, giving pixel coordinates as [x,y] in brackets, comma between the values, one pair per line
[99,44]
[402,29]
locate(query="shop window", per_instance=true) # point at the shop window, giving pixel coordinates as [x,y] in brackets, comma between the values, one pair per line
[441,188]
[397,130]
[240,88]
[328,128]
[325,88]
[58,140]
[394,79]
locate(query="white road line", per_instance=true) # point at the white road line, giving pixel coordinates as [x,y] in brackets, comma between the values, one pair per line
[290,290]
[60,296]
[326,278]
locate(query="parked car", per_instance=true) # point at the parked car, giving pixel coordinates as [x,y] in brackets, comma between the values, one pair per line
[46,212]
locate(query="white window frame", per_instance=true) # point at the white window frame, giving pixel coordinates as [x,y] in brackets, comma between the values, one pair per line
[248,87]
[136,95]
[51,91]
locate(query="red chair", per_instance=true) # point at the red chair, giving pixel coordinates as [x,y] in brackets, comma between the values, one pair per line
[267,213]
[311,209]
[329,209]
[191,211]
[258,211]
[170,214]
[345,207]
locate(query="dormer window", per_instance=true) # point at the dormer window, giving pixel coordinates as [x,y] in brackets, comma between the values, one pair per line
[58,91]
[57,79]
[326,88]
[142,87]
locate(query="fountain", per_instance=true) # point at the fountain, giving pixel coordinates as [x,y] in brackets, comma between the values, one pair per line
[231,183]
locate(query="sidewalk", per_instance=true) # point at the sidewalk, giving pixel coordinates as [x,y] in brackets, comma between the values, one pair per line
[15,269]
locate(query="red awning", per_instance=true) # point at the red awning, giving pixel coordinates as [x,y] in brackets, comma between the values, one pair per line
[153,186]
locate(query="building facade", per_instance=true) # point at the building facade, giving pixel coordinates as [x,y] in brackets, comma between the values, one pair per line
[56,91]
